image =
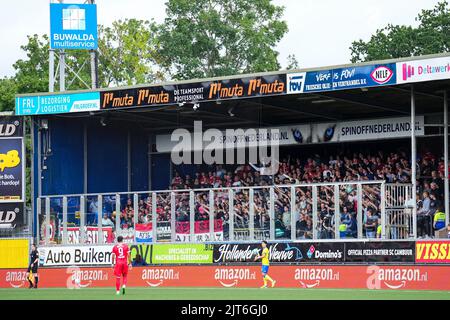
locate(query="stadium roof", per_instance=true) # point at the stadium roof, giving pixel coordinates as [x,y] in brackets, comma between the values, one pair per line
[354,100]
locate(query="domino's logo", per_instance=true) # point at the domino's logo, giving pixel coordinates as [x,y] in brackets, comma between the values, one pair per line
[310,251]
[296,82]
[74,18]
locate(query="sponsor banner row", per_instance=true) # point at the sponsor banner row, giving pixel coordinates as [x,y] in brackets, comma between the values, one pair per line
[141,254]
[386,128]
[280,253]
[320,252]
[372,277]
[257,86]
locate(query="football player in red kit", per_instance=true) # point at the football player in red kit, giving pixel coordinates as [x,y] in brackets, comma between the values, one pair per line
[121,261]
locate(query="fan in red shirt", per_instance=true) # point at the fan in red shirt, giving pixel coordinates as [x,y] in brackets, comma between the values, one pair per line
[121,261]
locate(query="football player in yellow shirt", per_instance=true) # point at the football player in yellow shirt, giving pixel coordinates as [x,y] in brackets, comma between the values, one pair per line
[265,257]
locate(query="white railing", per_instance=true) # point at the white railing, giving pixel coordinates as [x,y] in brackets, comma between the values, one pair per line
[281,213]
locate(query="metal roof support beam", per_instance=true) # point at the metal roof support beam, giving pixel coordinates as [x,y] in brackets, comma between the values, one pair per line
[413,161]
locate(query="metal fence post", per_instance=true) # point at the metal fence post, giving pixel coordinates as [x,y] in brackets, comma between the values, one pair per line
[117,215]
[251,214]
[172,217]
[359,211]
[82,220]
[47,220]
[192,217]
[154,219]
[272,213]
[293,215]
[231,214]
[100,239]
[39,215]
[64,235]
[135,214]
[383,210]
[314,208]
[211,216]
[337,212]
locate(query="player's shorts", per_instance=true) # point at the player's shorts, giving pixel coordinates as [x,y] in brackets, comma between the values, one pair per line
[121,269]
[33,269]
[265,269]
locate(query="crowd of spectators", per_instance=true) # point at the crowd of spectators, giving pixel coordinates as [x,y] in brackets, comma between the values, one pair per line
[392,167]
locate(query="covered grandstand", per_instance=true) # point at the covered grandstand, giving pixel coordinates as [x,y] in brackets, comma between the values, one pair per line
[349,135]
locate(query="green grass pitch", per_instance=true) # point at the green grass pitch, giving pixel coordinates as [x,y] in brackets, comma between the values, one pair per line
[219,294]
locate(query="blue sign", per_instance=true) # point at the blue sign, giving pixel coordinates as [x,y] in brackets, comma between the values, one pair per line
[60,103]
[73,26]
[342,78]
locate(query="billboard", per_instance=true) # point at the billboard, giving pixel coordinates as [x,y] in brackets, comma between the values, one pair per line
[423,70]
[380,251]
[12,167]
[11,127]
[73,26]
[12,216]
[182,254]
[285,252]
[372,277]
[433,251]
[69,256]
[341,78]
[227,89]
[386,128]
[58,103]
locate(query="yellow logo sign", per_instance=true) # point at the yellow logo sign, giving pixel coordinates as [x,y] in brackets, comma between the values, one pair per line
[9,160]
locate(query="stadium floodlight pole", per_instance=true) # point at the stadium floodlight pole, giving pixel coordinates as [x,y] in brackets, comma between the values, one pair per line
[51,70]
[94,65]
[413,161]
[446,178]
[64,235]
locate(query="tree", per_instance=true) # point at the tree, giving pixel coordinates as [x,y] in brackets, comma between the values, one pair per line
[8,89]
[292,62]
[394,41]
[207,38]
[129,53]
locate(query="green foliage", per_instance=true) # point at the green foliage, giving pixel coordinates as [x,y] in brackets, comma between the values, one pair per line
[128,53]
[394,41]
[207,38]
[8,89]
[292,62]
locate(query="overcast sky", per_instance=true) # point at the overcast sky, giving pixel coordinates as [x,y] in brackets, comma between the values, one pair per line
[320,31]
